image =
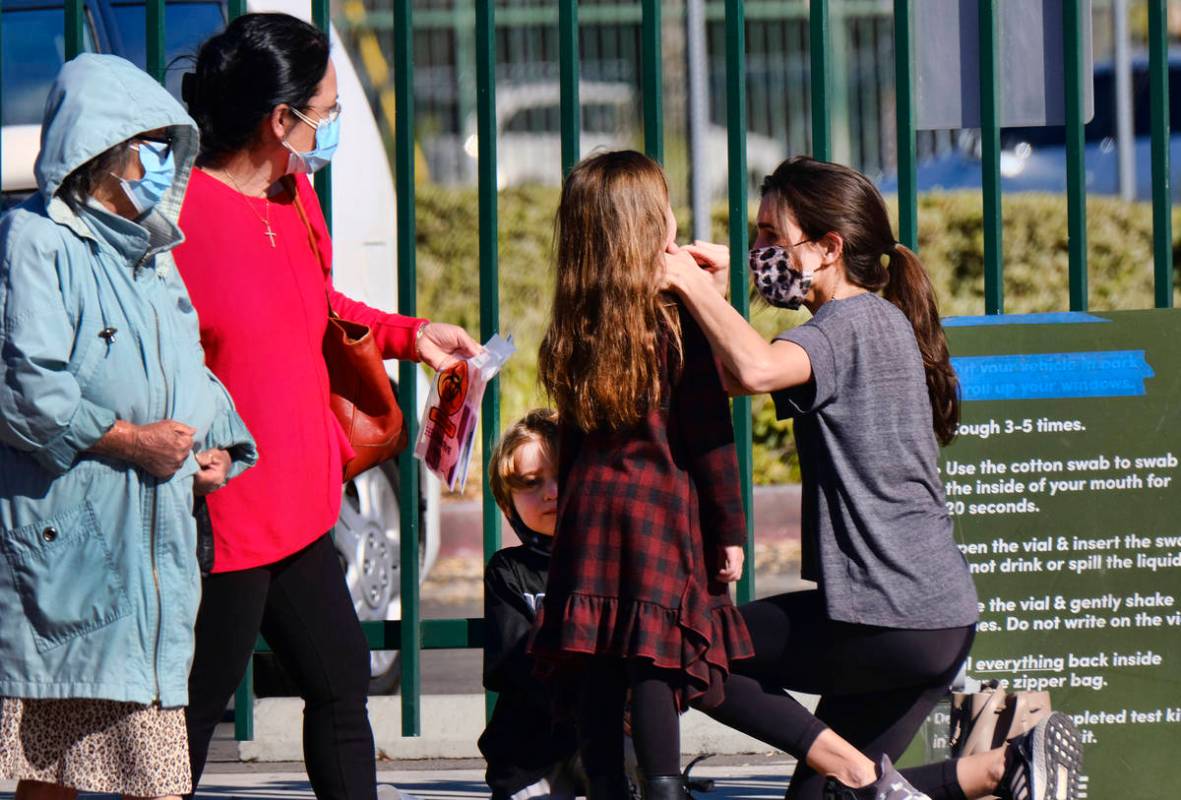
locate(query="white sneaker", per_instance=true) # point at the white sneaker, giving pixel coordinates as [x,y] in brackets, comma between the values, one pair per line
[1045,763]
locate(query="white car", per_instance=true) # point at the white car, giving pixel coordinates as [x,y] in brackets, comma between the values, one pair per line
[368,531]
[529,133]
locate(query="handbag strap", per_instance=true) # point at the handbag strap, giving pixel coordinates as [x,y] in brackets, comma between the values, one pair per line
[290,184]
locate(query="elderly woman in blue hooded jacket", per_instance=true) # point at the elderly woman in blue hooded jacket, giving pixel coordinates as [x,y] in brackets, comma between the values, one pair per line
[109,425]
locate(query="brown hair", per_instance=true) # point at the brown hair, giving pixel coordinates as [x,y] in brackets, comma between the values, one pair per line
[823,198]
[602,355]
[539,425]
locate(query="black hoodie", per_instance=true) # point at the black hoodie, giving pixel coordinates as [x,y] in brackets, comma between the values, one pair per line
[523,742]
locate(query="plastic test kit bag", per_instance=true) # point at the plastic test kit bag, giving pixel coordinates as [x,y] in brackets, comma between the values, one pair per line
[448,430]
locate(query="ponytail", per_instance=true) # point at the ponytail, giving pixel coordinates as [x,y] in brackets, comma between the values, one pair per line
[823,198]
[908,286]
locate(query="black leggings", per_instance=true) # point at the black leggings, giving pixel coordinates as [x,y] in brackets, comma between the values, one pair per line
[876,686]
[302,606]
[655,724]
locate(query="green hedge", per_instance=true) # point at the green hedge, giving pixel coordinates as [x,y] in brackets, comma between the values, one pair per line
[951,242]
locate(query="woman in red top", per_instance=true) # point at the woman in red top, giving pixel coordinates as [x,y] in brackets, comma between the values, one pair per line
[264,95]
[650,520]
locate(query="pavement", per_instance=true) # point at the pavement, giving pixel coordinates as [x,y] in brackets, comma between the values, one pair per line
[751,777]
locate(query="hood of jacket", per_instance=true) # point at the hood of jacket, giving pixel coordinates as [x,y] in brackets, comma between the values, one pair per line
[538,542]
[97,102]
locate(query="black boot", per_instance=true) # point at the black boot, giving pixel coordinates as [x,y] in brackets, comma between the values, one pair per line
[607,788]
[666,787]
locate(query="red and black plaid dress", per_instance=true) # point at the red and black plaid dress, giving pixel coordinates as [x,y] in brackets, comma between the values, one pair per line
[641,514]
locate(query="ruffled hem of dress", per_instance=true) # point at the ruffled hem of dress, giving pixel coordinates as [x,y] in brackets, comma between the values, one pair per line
[697,642]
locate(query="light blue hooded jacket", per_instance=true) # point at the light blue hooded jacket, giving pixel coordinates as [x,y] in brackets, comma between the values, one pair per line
[99,583]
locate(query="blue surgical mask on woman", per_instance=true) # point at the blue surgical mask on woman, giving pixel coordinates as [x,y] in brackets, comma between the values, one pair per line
[159,172]
[780,282]
[327,138]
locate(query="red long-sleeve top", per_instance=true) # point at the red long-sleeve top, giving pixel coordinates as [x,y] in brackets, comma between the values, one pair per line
[263,311]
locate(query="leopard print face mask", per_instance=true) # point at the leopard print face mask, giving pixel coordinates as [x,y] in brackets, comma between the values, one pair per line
[779,282]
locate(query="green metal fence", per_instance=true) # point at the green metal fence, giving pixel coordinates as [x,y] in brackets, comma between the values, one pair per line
[412,634]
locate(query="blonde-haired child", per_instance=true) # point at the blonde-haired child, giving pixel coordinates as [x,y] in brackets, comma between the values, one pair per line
[529,752]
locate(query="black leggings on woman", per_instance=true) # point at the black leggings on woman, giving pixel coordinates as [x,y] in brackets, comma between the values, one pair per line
[876,686]
[302,606]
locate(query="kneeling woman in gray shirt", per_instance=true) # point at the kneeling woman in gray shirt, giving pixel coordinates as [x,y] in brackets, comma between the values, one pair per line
[869,384]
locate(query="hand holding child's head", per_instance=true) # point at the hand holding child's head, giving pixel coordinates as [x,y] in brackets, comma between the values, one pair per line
[524,474]
[679,267]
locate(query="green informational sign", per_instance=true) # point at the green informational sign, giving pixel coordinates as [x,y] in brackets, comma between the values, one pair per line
[1066,496]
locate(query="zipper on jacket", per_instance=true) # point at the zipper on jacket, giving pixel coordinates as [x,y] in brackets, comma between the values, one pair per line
[159,600]
[155,512]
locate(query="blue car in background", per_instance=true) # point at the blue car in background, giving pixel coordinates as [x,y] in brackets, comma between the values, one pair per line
[1034,159]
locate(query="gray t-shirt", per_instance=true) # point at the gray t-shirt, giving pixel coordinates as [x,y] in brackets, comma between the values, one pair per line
[877,537]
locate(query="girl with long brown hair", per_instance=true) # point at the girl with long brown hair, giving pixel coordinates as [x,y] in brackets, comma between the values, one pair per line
[869,385]
[650,521]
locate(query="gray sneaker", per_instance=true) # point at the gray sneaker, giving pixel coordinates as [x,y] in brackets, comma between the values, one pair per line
[890,785]
[1045,763]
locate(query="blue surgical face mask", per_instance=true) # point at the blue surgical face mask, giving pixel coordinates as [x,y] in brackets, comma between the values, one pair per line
[159,172]
[327,138]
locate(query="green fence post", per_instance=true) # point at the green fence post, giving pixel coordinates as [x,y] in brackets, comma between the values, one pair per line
[489,263]
[1162,221]
[739,293]
[571,111]
[651,61]
[321,17]
[154,37]
[244,705]
[908,203]
[990,159]
[818,50]
[1076,178]
[75,28]
[407,371]
[237,8]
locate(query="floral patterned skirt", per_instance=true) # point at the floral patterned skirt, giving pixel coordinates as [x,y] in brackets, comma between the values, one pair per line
[95,746]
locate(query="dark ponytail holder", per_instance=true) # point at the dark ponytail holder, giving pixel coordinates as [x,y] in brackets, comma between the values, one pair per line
[887,256]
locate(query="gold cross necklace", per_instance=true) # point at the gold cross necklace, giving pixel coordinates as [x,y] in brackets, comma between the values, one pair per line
[266,221]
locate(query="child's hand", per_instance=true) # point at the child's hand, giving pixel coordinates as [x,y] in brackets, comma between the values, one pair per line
[714,259]
[730,558]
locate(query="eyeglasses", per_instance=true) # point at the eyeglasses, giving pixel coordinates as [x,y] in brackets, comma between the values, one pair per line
[164,143]
[326,118]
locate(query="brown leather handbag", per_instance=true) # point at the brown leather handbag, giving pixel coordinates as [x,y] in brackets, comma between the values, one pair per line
[361,395]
